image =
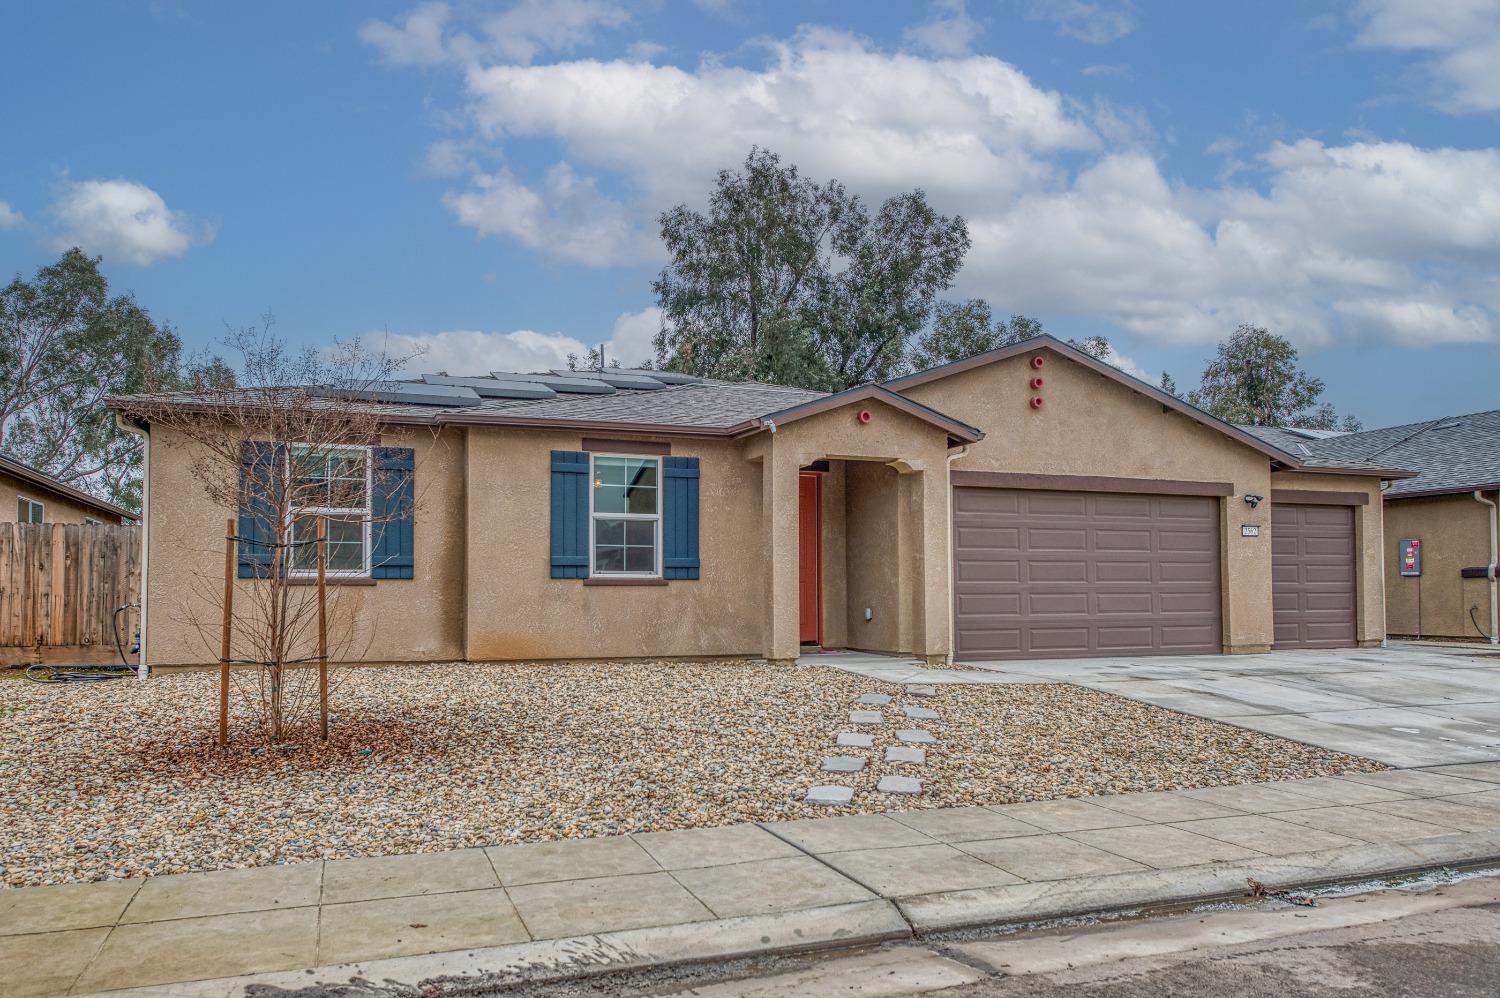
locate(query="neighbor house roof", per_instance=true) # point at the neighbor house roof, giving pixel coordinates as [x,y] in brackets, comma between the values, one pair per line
[636,401]
[41,480]
[1273,448]
[1452,454]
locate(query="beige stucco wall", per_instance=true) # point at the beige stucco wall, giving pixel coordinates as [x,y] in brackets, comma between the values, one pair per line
[874,557]
[917,450]
[1455,535]
[835,562]
[395,620]
[55,508]
[1091,425]
[1369,582]
[516,610]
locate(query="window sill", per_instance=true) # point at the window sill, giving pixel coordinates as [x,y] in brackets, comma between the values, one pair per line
[332,580]
[606,581]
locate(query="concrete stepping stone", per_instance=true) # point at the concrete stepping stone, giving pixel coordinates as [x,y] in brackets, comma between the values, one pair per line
[843,764]
[900,753]
[866,717]
[922,691]
[899,785]
[874,699]
[921,713]
[916,735]
[830,795]
[853,739]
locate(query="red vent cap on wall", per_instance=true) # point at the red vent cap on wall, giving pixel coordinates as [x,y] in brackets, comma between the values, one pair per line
[1038,361]
[1036,403]
[1037,382]
[865,415]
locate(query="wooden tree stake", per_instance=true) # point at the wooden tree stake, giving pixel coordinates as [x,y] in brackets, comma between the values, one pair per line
[323,626]
[228,630]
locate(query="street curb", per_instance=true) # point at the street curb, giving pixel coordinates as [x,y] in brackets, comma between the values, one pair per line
[995,907]
[860,923]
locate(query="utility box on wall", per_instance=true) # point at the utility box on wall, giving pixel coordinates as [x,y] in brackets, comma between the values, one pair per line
[1411,556]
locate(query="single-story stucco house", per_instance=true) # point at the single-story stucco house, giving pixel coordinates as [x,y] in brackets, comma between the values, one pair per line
[1027,502]
[28,495]
[1441,526]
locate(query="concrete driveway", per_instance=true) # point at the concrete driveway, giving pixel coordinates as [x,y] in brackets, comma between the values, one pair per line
[1406,705]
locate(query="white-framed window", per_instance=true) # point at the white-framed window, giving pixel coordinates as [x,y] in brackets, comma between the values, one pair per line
[624,516]
[28,510]
[333,482]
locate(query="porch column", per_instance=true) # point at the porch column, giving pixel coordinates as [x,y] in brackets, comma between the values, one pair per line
[779,515]
[926,561]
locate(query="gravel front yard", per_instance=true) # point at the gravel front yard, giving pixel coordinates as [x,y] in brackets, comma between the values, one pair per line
[122,779]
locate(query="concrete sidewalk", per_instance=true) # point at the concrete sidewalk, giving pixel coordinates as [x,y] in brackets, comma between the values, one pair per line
[551,910]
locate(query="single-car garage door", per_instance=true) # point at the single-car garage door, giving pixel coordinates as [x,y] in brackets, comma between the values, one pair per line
[1058,574]
[1312,575]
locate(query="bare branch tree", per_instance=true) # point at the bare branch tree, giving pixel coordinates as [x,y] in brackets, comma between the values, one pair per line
[296,446]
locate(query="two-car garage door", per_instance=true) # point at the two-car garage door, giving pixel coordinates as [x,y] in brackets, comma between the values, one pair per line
[1041,574]
[1055,574]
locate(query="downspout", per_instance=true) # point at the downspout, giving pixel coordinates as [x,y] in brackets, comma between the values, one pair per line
[143,671]
[952,601]
[1494,561]
[1385,593]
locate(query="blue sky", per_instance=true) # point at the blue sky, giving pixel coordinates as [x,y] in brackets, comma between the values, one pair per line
[481,179]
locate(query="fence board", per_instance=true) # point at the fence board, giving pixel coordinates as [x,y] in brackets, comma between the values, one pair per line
[61,583]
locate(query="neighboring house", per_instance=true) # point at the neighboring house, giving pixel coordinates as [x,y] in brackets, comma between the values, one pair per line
[1446,509]
[1028,502]
[31,496]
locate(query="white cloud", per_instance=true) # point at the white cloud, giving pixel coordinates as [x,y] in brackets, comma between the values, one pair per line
[464,353]
[1067,202]
[1095,23]
[1343,240]
[567,218]
[428,36]
[9,217]
[123,220]
[1462,38]
[950,30]
[416,41]
[533,26]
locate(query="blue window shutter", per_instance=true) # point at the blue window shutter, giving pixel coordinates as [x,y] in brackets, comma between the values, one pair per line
[262,465]
[391,540]
[570,514]
[679,517]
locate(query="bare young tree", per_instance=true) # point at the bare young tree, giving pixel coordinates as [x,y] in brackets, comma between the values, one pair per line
[293,451]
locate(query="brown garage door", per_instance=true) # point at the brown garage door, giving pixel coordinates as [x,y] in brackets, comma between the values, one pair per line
[1312,575]
[1059,574]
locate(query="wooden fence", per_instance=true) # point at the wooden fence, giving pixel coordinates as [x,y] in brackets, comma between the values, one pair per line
[61,583]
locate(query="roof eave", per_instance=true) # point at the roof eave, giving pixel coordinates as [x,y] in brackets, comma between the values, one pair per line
[1172,402]
[961,433]
[1447,490]
[44,481]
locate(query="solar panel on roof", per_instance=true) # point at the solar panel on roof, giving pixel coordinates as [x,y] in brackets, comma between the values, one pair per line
[665,377]
[573,383]
[610,377]
[410,392]
[494,388]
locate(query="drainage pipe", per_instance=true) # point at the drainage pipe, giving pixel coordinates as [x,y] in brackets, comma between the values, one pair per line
[143,670]
[952,596]
[1494,562]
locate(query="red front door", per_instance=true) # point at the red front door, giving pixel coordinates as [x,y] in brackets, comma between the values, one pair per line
[809,536]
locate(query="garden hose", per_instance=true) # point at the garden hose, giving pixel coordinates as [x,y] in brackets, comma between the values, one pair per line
[88,674]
